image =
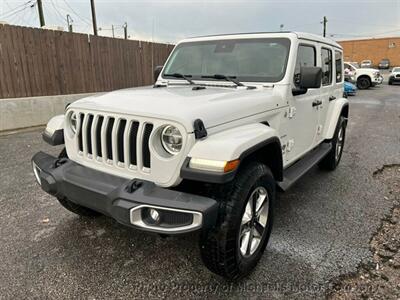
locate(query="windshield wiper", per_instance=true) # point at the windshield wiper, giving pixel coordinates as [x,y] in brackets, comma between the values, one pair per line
[227,78]
[179,75]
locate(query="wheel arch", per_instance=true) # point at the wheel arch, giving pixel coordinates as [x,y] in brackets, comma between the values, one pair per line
[340,108]
[255,141]
[268,152]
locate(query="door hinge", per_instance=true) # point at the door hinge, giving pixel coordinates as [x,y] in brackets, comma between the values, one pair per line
[289,145]
[291,112]
[319,129]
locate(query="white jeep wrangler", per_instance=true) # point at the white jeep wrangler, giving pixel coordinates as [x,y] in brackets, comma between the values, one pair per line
[229,119]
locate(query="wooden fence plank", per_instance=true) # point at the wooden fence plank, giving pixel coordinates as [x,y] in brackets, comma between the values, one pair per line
[37,62]
[3,84]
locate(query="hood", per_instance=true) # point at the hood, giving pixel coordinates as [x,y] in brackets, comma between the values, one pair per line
[370,70]
[213,105]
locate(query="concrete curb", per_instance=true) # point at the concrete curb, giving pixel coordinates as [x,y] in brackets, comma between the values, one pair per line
[16,113]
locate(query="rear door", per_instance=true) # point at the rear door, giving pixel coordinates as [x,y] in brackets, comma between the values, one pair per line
[329,87]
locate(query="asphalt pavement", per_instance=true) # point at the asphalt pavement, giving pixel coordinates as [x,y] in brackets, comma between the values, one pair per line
[322,228]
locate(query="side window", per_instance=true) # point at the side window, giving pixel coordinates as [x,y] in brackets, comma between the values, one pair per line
[306,57]
[326,60]
[339,70]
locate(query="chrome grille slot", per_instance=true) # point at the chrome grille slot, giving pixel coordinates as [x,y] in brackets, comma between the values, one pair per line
[80,131]
[145,145]
[99,124]
[120,140]
[88,139]
[133,142]
[110,125]
[114,141]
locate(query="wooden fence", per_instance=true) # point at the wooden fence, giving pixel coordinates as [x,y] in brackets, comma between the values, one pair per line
[38,62]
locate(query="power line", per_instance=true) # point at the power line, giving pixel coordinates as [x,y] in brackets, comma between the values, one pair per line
[364,35]
[60,16]
[82,18]
[358,23]
[14,10]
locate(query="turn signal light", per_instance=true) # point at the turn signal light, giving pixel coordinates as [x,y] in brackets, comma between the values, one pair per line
[213,165]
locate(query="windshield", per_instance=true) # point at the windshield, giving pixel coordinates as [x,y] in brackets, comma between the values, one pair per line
[396,70]
[244,59]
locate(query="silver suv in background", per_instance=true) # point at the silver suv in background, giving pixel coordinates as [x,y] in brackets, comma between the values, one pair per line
[384,64]
[366,64]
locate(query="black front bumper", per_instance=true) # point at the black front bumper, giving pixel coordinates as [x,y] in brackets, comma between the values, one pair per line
[394,79]
[122,198]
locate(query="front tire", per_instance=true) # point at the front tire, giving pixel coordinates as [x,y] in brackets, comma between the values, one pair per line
[233,248]
[363,83]
[332,159]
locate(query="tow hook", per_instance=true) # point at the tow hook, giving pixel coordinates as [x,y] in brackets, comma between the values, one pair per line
[133,186]
[60,162]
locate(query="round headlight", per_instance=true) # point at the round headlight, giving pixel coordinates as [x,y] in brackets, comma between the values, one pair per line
[73,121]
[171,139]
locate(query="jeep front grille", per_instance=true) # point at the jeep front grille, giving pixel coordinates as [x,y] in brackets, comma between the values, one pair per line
[114,141]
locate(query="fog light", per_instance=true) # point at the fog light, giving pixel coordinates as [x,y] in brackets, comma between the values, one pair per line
[155,215]
[36,171]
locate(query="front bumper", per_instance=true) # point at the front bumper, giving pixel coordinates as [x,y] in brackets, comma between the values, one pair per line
[394,79]
[126,201]
[377,80]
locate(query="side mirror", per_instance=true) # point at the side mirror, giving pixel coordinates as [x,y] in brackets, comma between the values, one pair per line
[310,78]
[157,71]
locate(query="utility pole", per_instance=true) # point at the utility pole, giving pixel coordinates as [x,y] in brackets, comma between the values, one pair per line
[126,30]
[41,16]
[69,22]
[93,17]
[112,29]
[324,22]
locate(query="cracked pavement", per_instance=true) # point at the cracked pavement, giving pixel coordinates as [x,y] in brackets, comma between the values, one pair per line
[322,228]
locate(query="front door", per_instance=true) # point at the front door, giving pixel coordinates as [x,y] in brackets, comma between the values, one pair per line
[302,114]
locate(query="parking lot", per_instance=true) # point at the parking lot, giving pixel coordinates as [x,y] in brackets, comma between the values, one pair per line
[322,229]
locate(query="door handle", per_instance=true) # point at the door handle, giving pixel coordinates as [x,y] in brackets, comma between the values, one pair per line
[331,98]
[316,103]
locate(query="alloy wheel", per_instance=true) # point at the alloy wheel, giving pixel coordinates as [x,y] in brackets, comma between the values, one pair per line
[339,144]
[254,221]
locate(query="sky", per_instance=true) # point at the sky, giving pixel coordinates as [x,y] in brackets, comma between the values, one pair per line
[171,21]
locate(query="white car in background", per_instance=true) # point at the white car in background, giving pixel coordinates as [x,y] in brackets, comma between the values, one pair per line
[366,64]
[394,77]
[364,78]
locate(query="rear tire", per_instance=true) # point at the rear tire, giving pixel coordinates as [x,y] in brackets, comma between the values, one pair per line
[233,248]
[332,159]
